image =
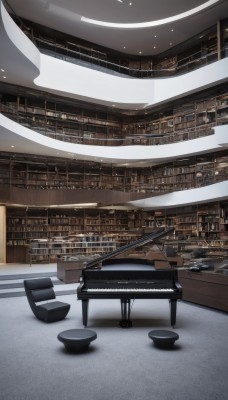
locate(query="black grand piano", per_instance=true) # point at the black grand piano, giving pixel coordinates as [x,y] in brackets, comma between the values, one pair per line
[128,279]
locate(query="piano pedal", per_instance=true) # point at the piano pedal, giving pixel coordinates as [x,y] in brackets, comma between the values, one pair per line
[126,323]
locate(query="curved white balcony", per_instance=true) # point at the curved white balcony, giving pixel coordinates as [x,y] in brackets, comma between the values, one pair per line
[19,139]
[24,65]
[215,192]
[20,58]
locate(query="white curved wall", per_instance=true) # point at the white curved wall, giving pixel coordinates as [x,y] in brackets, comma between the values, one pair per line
[19,39]
[215,192]
[87,84]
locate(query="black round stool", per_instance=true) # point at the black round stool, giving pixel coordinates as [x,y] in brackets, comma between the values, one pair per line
[163,339]
[77,340]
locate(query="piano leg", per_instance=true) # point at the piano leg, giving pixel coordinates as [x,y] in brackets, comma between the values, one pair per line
[173,311]
[125,313]
[85,306]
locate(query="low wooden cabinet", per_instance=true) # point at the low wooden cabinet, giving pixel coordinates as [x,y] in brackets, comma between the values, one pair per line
[17,254]
[206,288]
[70,271]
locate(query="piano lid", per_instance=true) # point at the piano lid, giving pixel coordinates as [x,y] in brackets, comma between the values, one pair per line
[158,233]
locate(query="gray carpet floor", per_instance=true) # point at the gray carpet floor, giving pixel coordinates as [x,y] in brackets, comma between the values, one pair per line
[121,363]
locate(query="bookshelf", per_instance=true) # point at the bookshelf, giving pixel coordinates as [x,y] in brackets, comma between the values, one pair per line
[77,125]
[223,222]
[50,250]
[222,109]
[192,172]
[213,222]
[52,233]
[186,225]
[63,122]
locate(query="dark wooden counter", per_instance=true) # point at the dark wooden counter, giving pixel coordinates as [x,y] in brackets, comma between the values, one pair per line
[206,288]
[69,271]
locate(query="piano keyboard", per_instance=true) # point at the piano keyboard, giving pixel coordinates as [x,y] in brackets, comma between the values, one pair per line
[130,290]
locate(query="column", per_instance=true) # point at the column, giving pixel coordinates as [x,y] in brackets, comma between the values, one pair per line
[2,234]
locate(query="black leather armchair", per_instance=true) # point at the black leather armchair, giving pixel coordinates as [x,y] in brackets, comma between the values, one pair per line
[41,290]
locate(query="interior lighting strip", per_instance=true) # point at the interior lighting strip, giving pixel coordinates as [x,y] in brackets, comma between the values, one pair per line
[150,24]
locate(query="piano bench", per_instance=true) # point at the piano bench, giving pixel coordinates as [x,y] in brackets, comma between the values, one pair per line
[163,338]
[77,340]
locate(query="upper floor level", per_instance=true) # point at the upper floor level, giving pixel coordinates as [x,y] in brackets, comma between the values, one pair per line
[23,64]
[208,46]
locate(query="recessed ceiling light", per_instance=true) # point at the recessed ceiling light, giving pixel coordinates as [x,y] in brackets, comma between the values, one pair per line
[12,145]
[171,30]
[154,47]
[120,1]
[170,44]
[140,52]
[130,4]
[2,70]
[124,47]
[4,77]
[155,35]
[85,204]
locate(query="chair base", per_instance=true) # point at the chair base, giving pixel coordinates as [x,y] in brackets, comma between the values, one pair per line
[163,339]
[77,340]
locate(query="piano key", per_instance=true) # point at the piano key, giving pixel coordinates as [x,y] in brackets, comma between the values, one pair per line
[129,290]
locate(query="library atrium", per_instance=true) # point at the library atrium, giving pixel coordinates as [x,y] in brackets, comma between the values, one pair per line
[100,145]
[114,167]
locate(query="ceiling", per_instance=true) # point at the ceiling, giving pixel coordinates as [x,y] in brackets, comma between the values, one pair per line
[66,17]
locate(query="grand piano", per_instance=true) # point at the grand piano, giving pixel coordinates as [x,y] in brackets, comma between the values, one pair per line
[108,277]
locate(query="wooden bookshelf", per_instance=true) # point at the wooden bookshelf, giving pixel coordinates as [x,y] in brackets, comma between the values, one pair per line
[77,125]
[53,174]
[50,233]
[209,222]
[49,250]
